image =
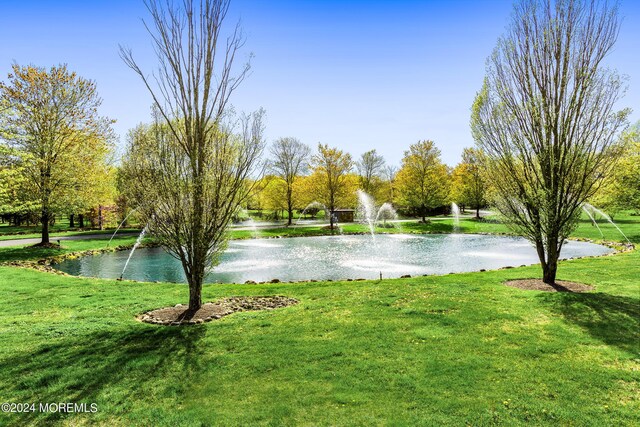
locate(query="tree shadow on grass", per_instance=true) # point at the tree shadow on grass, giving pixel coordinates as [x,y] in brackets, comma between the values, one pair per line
[124,363]
[612,319]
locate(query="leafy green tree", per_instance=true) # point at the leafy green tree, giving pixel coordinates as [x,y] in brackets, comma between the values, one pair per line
[53,122]
[621,190]
[331,167]
[546,119]
[272,192]
[423,181]
[289,159]
[15,201]
[468,181]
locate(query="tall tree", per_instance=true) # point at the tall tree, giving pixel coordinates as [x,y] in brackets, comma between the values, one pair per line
[469,181]
[289,159]
[370,167]
[423,180]
[389,172]
[546,117]
[621,190]
[191,175]
[53,119]
[96,186]
[331,166]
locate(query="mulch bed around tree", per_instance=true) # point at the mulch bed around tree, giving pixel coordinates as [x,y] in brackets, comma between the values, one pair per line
[175,316]
[539,285]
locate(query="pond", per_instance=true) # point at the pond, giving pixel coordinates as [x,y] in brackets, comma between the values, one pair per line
[331,257]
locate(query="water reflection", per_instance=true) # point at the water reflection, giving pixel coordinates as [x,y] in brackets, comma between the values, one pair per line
[331,257]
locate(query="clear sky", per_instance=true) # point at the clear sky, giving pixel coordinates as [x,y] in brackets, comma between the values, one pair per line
[354,74]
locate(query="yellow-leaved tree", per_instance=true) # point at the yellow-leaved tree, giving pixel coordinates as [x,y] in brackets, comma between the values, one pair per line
[330,177]
[423,181]
[54,126]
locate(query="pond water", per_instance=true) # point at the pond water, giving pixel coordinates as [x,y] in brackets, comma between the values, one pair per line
[331,257]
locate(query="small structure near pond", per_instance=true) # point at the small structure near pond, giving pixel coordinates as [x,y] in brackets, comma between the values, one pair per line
[344,215]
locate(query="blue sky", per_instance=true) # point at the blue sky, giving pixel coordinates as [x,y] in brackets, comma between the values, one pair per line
[354,74]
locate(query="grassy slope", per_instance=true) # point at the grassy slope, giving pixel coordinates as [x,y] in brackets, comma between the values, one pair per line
[445,350]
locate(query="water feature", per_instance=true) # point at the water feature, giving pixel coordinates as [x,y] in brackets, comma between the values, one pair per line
[251,224]
[123,221]
[331,257]
[386,213]
[368,214]
[367,210]
[313,205]
[593,220]
[593,209]
[455,211]
[133,249]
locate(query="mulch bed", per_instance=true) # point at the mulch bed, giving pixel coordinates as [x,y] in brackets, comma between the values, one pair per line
[175,316]
[539,285]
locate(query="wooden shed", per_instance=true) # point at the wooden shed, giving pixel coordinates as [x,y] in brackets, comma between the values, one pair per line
[344,215]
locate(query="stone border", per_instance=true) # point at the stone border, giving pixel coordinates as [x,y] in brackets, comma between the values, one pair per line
[44,264]
[171,316]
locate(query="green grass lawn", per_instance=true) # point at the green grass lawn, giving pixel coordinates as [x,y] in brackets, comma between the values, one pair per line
[459,349]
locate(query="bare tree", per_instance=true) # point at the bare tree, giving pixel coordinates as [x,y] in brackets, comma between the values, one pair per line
[370,166]
[290,159]
[332,165]
[193,174]
[545,117]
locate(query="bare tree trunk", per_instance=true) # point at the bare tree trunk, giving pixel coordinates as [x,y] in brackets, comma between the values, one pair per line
[195,287]
[45,226]
[549,271]
[195,297]
[71,221]
[289,207]
[478,212]
[195,276]
[553,253]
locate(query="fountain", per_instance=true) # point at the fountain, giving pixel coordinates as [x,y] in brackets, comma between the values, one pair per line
[312,205]
[123,221]
[251,223]
[367,210]
[368,213]
[331,257]
[593,220]
[593,209]
[386,213]
[455,211]
[135,245]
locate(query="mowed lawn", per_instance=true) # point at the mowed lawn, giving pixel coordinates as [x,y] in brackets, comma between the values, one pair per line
[459,349]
